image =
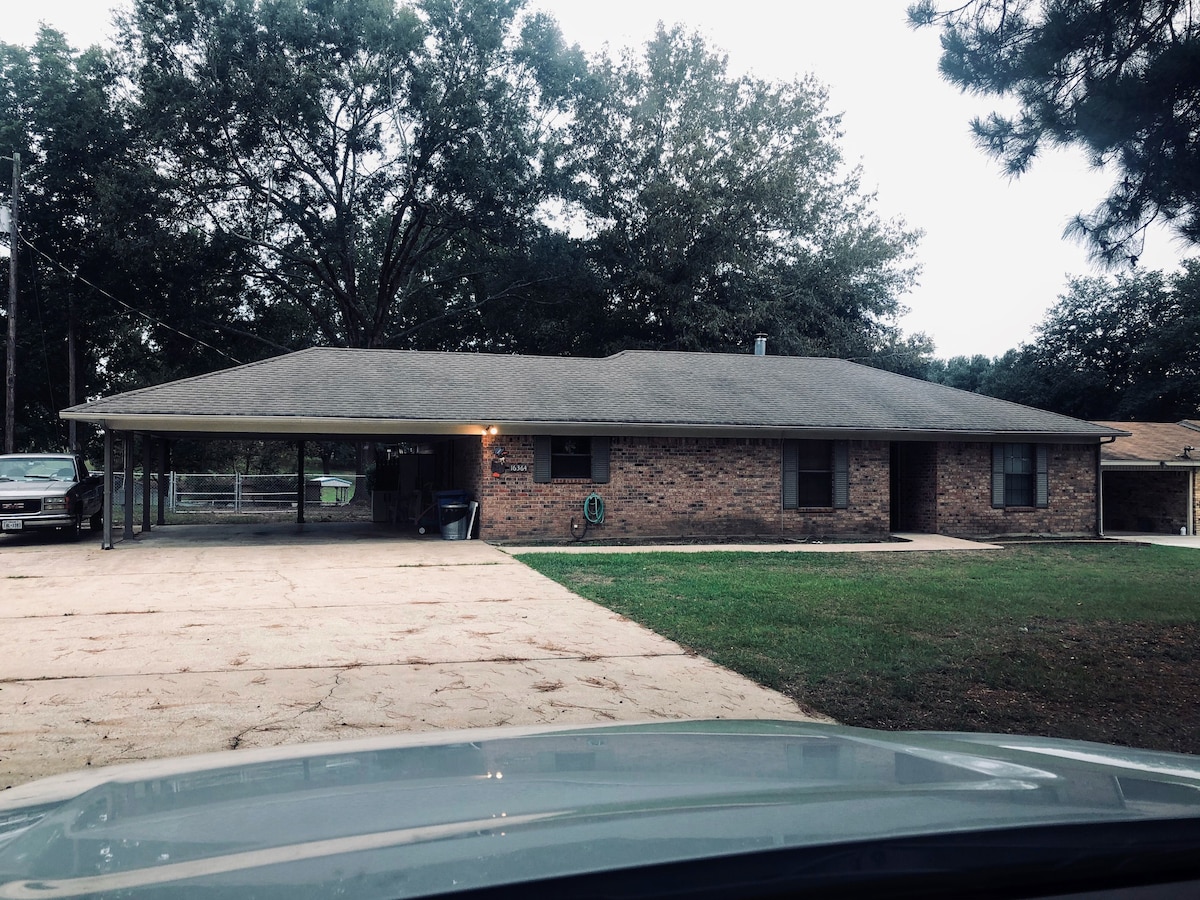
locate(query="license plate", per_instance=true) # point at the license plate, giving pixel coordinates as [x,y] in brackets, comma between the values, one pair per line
[12,525]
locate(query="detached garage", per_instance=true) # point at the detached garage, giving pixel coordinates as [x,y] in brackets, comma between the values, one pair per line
[652,444]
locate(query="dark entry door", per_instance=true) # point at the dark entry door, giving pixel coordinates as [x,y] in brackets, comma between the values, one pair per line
[913,475]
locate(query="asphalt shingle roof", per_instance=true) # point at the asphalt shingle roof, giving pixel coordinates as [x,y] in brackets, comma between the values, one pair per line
[1153,442]
[638,388]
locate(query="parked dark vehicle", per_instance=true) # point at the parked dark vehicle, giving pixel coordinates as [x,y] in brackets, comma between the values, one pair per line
[49,490]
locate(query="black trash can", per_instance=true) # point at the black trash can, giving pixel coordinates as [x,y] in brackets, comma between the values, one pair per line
[452,517]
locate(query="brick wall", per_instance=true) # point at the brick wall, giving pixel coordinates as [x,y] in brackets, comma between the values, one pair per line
[678,487]
[675,487]
[964,493]
[1149,501]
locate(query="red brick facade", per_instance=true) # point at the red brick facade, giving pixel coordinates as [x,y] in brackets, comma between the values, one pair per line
[685,486]
[964,493]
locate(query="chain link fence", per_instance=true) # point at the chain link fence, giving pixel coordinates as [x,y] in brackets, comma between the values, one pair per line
[185,493]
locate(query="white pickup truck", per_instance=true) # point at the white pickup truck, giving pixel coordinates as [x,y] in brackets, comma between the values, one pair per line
[49,490]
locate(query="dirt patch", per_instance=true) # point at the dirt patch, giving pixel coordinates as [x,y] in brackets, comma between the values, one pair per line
[1120,683]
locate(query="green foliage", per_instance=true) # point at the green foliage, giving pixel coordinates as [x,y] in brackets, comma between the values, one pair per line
[109,263]
[365,157]
[962,372]
[717,207]
[1112,348]
[1118,80]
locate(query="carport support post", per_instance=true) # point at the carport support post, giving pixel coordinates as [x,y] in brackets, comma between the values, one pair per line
[163,483]
[300,482]
[147,469]
[127,451]
[106,542]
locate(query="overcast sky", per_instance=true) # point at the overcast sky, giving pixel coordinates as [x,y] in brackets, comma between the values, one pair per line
[993,256]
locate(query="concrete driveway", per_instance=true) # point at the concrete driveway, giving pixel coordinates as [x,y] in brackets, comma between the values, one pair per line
[200,638]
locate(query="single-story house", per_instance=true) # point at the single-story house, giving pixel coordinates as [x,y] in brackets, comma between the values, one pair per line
[663,443]
[1150,478]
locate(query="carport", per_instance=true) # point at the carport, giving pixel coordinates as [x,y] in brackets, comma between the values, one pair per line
[273,400]
[121,445]
[1148,479]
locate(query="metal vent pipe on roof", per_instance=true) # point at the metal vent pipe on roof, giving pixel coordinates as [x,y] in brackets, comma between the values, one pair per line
[760,344]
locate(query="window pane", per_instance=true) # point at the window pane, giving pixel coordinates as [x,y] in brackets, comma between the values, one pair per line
[570,457]
[1018,490]
[816,456]
[1018,459]
[1018,475]
[816,489]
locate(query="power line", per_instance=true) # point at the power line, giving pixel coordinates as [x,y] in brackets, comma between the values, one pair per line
[132,309]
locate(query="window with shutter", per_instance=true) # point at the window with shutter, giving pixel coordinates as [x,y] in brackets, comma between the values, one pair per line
[1020,475]
[816,474]
[565,457]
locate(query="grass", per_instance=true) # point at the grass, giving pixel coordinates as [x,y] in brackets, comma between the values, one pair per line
[1093,641]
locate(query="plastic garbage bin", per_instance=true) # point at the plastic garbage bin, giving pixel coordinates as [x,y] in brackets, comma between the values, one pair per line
[452,517]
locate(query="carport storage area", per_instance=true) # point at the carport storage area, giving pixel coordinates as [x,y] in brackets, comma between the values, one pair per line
[1148,501]
[202,638]
[1150,479]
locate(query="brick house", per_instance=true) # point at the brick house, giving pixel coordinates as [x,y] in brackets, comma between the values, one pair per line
[672,444]
[1150,478]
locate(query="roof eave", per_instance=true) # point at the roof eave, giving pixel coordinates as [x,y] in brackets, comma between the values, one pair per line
[1153,464]
[304,426]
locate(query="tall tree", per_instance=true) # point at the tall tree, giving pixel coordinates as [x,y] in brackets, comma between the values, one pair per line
[718,206]
[359,153]
[110,275]
[1121,80]
[967,373]
[1112,348]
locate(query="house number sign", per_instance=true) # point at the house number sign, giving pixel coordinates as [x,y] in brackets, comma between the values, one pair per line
[501,465]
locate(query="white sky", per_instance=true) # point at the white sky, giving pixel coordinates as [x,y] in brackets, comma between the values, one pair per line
[993,256]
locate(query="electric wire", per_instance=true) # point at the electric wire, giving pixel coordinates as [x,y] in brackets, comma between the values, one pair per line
[129,307]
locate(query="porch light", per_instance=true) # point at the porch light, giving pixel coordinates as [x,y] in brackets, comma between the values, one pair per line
[489,429]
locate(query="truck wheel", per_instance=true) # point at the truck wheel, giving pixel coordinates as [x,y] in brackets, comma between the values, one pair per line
[96,522]
[73,531]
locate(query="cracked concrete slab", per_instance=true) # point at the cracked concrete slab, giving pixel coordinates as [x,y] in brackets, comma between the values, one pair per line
[199,638]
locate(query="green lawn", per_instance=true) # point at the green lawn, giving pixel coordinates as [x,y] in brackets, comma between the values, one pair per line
[1093,641]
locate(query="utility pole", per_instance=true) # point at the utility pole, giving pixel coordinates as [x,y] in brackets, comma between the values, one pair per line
[10,374]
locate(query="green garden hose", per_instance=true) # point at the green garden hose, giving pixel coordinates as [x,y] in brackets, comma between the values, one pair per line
[593,509]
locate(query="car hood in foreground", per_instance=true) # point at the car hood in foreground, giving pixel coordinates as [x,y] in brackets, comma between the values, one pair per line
[427,814]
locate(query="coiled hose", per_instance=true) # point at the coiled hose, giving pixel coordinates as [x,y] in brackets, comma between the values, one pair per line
[593,508]
[593,514]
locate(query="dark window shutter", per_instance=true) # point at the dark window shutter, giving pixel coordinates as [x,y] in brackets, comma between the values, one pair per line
[997,476]
[541,458]
[600,459]
[841,475]
[791,475]
[1042,485]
